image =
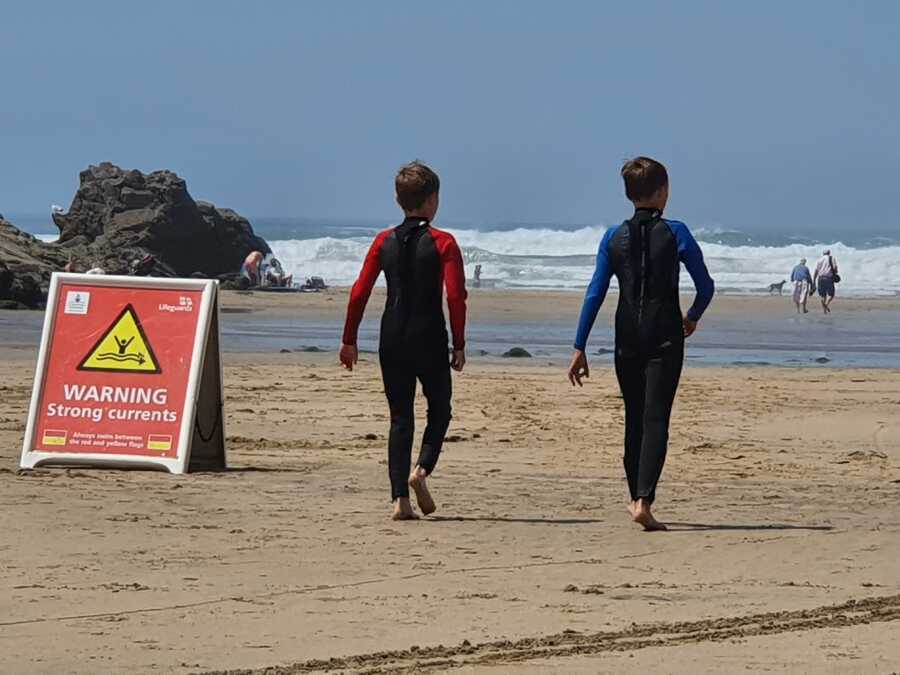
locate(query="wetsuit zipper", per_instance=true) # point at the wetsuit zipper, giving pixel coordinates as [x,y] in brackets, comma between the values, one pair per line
[645,249]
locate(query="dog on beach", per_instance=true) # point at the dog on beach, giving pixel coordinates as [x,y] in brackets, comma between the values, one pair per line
[777,287]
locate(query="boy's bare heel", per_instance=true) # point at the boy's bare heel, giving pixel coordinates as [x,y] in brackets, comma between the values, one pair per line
[423,496]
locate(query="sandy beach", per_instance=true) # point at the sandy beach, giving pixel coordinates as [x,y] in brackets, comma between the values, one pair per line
[781,491]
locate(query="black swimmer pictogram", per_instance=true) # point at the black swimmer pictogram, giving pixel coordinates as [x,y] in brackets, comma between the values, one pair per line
[121,355]
[123,347]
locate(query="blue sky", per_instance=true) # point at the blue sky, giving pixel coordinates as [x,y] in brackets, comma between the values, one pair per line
[766,113]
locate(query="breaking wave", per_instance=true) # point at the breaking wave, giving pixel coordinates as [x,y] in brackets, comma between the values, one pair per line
[564,259]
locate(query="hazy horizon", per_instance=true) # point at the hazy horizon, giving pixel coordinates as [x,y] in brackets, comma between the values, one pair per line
[767,115]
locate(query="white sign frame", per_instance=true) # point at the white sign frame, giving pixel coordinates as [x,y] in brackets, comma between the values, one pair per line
[209,306]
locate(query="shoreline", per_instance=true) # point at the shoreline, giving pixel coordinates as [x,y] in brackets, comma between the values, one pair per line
[736,331]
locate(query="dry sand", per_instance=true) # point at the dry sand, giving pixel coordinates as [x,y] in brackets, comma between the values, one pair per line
[782,491]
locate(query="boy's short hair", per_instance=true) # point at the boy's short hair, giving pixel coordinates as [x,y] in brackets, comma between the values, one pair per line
[415,182]
[643,178]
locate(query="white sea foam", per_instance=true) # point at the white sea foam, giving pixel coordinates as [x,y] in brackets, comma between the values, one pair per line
[546,258]
[564,259]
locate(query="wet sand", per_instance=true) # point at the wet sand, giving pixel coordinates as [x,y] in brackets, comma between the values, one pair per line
[782,491]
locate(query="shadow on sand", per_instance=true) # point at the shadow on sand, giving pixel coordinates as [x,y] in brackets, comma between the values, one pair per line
[697,527]
[673,527]
[504,519]
[265,469]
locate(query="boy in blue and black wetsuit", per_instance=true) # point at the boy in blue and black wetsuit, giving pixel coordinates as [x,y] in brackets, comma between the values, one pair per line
[645,253]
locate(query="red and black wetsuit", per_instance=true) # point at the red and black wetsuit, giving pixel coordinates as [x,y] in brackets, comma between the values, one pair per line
[418,261]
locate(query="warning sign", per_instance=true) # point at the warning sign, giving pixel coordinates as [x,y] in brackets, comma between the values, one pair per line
[132,376]
[123,347]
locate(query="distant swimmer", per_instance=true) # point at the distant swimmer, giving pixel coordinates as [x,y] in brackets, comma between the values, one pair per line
[803,283]
[645,253]
[418,261]
[824,279]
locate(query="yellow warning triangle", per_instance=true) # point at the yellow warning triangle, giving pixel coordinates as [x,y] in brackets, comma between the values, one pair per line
[123,348]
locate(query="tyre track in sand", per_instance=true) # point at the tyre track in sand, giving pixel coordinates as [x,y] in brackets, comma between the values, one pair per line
[572,643]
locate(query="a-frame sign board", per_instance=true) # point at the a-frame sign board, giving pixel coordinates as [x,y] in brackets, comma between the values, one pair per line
[129,374]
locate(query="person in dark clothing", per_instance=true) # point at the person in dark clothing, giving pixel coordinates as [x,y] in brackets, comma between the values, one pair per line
[645,253]
[418,261]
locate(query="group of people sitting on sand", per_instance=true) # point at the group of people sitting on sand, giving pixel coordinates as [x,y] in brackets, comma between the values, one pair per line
[261,269]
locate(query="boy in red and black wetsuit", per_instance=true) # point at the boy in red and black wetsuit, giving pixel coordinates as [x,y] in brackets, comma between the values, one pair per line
[418,261]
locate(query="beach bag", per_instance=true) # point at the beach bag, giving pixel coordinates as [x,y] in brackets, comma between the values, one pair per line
[836,277]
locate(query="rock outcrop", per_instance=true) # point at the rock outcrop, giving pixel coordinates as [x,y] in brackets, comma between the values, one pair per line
[121,216]
[124,215]
[25,267]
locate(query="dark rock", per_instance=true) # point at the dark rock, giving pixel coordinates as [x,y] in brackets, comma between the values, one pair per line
[25,265]
[120,216]
[517,353]
[123,215]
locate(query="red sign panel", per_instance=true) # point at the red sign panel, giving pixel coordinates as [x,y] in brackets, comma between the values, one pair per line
[117,370]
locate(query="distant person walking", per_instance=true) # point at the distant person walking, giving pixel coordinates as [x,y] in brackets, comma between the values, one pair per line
[824,279]
[802,280]
[477,275]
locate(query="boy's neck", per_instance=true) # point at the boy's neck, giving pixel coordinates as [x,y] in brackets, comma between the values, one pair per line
[416,214]
[650,206]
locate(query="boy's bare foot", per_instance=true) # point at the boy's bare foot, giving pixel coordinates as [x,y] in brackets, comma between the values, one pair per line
[640,513]
[403,510]
[631,508]
[423,496]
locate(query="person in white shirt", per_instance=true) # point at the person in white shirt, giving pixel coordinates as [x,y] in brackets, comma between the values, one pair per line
[824,279]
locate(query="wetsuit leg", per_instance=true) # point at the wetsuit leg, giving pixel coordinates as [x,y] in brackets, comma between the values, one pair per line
[662,373]
[437,387]
[400,388]
[630,371]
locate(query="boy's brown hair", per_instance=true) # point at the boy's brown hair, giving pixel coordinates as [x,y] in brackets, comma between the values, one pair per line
[415,182]
[643,178]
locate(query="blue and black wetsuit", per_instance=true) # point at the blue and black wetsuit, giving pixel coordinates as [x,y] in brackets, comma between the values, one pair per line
[644,253]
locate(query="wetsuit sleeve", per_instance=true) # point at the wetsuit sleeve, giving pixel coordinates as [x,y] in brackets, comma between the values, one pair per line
[362,289]
[455,281]
[690,254]
[596,292]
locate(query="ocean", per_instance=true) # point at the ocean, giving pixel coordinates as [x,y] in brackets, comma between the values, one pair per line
[546,256]
[562,257]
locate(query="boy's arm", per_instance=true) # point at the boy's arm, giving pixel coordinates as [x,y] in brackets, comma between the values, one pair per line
[690,254]
[455,281]
[596,292]
[362,289]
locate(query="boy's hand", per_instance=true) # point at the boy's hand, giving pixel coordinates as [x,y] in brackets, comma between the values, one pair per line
[349,356]
[458,362]
[578,368]
[689,327]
